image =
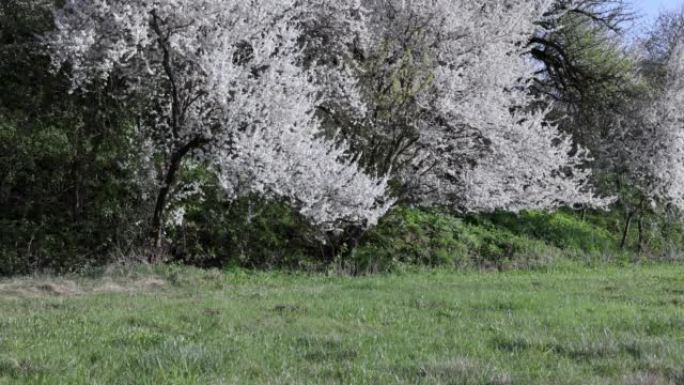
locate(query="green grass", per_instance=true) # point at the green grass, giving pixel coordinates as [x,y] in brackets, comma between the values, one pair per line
[608,325]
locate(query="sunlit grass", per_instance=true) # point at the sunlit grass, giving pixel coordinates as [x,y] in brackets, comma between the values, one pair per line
[186,326]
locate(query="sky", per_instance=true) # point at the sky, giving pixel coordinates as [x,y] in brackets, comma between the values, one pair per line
[651,8]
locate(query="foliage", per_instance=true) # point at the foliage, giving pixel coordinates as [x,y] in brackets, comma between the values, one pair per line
[53,219]
[592,75]
[249,232]
[587,68]
[658,45]
[504,240]
[496,241]
[71,179]
[564,230]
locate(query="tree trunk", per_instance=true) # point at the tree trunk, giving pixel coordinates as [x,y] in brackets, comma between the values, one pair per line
[163,196]
[160,205]
[77,176]
[342,245]
[641,234]
[625,231]
[669,229]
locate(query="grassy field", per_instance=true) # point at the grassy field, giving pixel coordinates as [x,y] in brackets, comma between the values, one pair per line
[185,326]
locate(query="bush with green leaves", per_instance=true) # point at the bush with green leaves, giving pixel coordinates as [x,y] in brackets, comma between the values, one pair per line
[71,183]
[434,238]
[563,229]
[210,230]
[527,240]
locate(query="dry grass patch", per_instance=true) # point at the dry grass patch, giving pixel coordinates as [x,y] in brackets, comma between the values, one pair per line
[647,379]
[37,287]
[34,288]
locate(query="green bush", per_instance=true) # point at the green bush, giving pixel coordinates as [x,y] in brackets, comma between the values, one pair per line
[62,210]
[70,191]
[250,232]
[410,236]
[564,230]
[433,238]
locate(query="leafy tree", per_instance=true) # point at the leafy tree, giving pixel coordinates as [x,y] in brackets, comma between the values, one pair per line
[586,68]
[71,185]
[651,146]
[659,45]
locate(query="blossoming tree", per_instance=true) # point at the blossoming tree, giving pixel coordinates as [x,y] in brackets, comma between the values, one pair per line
[317,101]
[220,81]
[450,113]
[651,147]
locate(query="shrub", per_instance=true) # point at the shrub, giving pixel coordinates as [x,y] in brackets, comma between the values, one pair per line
[434,238]
[249,232]
[564,230]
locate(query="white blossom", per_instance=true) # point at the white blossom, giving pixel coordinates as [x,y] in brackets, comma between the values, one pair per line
[224,81]
[480,144]
[651,149]
[241,85]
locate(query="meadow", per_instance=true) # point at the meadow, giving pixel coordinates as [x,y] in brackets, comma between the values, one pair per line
[179,325]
